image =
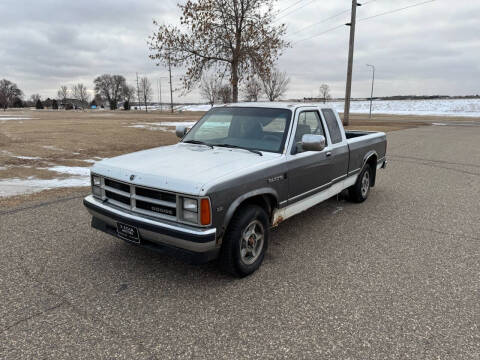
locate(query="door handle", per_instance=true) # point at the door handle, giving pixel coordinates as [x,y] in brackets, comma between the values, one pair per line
[329,153]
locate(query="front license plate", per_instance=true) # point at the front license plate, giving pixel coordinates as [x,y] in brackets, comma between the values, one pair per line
[128,233]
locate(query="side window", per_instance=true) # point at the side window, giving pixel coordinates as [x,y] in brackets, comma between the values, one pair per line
[309,122]
[332,124]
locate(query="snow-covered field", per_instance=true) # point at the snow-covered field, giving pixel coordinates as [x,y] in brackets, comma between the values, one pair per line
[454,107]
[448,107]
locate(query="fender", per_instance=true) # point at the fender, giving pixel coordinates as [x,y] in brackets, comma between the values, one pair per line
[235,204]
[367,157]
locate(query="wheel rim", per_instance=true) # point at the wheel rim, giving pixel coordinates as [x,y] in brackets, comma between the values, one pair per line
[365,183]
[251,243]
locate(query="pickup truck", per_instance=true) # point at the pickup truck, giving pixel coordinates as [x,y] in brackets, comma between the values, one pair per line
[239,171]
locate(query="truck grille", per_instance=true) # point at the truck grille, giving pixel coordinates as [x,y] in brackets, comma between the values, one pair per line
[140,199]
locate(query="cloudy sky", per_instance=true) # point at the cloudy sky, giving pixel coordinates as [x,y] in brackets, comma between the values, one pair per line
[433,48]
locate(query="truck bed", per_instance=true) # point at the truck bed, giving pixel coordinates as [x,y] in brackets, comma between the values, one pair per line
[350,134]
[362,143]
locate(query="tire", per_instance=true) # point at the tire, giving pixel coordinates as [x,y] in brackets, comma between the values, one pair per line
[359,191]
[243,250]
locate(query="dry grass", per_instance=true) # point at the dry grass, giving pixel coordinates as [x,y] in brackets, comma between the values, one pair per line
[69,137]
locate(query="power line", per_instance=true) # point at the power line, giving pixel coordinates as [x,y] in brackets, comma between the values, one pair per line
[329,18]
[321,21]
[290,12]
[395,10]
[289,7]
[322,33]
[366,18]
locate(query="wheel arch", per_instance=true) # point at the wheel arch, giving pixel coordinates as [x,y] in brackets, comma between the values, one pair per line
[370,159]
[267,198]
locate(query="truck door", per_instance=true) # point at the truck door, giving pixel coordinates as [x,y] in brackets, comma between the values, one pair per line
[309,172]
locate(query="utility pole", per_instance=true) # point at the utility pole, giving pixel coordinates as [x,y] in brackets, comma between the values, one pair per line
[160,93]
[348,91]
[371,94]
[171,90]
[138,92]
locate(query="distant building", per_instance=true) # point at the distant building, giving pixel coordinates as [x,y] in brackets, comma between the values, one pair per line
[70,104]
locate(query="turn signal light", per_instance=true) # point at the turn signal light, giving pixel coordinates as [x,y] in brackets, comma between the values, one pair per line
[205,217]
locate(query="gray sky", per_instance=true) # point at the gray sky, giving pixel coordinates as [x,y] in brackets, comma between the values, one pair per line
[429,49]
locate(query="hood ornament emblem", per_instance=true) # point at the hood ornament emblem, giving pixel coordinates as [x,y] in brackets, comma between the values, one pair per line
[132,177]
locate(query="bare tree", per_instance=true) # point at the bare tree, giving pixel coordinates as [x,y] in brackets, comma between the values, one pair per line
[111,88]
[128,96]
[225,94]
[209,89]
[80,93]
[62,93]
[324,92]
[252,89]
[234,37]
[145,89]
[35,97]
[275,84]
[129,93]
[8,93]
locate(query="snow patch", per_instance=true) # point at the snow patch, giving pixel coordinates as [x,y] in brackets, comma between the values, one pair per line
[71,170]
[198,107]
[163,126]
[176,123]
[52,147]
[15,186]
[27,157]
[16,118]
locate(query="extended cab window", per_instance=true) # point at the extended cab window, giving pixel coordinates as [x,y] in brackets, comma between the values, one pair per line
[332,124]
[309,122]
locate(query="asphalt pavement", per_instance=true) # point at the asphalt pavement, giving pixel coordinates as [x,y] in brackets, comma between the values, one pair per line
[397,277]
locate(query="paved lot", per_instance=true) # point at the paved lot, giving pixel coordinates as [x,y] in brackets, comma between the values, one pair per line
[395,277]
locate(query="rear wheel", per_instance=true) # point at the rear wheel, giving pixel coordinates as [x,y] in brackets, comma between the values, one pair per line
[245,241]
[360,190]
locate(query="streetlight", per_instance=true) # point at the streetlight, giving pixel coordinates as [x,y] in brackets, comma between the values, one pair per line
[371,94]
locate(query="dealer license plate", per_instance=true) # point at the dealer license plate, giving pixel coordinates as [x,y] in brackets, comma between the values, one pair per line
[128,233]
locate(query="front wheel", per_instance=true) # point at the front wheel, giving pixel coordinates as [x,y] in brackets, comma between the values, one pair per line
[245,241]
[360,190]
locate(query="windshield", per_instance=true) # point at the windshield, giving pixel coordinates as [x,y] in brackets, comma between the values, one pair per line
[250,128]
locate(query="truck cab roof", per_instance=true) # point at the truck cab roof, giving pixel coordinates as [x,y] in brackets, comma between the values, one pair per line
[274,105]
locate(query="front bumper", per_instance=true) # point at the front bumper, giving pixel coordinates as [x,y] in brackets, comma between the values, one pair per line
[189,243]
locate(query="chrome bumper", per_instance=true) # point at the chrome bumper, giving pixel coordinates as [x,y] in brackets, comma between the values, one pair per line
[152,231]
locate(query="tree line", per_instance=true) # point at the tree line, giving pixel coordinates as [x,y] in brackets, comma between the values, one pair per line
[111,90]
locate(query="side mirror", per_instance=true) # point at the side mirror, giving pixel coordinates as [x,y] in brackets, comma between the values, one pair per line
[180,131]
[312,142]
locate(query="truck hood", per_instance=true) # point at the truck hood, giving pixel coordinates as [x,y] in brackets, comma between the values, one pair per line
[183,168]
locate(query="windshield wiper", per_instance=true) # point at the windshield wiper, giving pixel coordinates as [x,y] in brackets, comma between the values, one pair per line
[198,142]
[239,147]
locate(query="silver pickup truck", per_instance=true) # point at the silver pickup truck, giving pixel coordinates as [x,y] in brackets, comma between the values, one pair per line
[240,170]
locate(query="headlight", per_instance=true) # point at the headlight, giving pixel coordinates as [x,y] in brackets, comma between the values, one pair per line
[190,205]
[97,186]
[97,191]
[96,180]
[190,216]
